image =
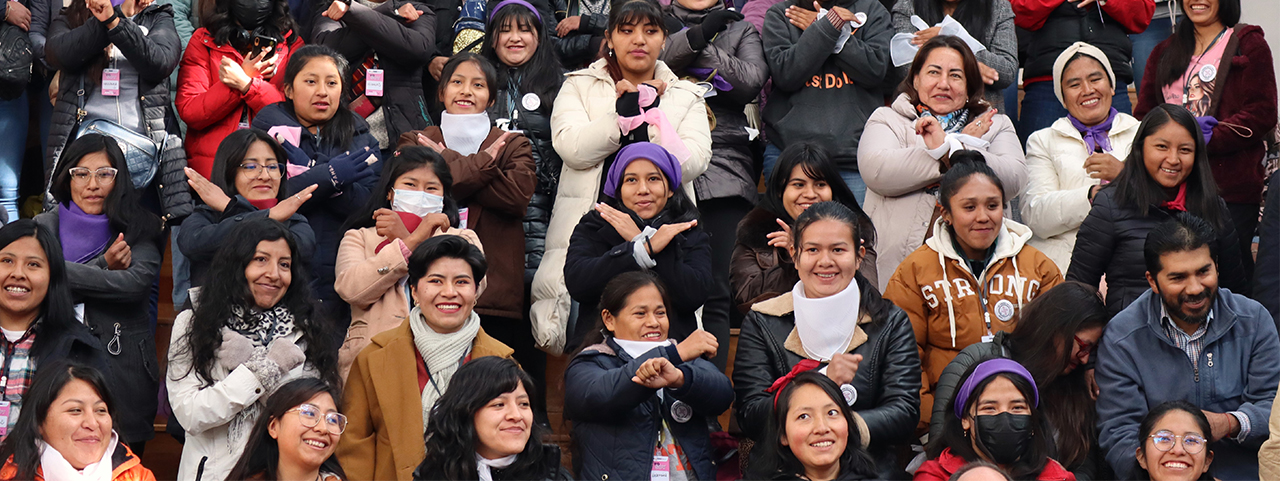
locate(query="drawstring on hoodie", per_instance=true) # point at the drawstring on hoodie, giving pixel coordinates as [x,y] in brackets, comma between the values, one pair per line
[946,290]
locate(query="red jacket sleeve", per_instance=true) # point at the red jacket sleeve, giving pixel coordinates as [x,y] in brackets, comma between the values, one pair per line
[263,93]
[1133,15]
[1031,14]
[202,99]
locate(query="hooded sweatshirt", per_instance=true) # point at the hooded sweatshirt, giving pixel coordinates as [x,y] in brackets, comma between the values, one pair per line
[951,306]
[811,82]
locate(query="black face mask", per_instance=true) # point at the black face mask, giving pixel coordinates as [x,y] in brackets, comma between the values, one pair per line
[251,14]
[1005,436]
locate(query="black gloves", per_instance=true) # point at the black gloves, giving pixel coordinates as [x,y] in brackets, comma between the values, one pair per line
[714,23]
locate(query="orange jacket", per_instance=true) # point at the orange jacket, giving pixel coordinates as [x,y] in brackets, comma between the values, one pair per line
[127,467]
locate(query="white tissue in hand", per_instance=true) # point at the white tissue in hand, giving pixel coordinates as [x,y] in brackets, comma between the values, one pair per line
[902,52]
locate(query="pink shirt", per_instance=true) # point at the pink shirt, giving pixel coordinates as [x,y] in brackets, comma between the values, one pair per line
[1203,76]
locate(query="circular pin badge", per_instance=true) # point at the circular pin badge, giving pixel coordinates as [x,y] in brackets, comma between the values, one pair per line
[1004,310]
[681,412]
[530,101]
[1208,73]
[850,393]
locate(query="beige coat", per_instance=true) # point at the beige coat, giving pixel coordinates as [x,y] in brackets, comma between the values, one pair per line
[1057,198]
[370,282]
[897,168]
[585,130]
[1269,454]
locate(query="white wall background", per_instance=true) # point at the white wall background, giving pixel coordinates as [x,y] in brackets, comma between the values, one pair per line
[1265,13]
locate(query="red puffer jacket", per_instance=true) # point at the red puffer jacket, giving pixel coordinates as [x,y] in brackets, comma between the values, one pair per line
[128,467]
[211,109]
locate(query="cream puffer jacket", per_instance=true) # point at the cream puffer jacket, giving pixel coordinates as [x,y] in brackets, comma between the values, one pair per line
[585,131]
[1057,198]
[897,168]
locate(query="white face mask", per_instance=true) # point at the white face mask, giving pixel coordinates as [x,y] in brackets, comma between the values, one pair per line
[416,202]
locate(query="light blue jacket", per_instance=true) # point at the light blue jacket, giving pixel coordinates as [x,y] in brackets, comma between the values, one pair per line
[1139,367]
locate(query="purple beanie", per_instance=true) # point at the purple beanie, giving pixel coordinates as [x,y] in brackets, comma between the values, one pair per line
[986,370]
[652,152]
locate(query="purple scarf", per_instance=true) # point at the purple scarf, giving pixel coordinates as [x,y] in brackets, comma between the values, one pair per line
[83,236]
[1097,136]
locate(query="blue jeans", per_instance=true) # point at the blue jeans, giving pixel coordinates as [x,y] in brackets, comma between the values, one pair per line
[851,178]
[1041,108]
[14,115]
[1144,42]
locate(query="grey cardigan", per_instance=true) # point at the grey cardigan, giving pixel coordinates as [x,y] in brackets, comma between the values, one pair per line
[999,38]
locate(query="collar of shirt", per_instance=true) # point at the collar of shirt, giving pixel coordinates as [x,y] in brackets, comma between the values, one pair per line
[1171,328]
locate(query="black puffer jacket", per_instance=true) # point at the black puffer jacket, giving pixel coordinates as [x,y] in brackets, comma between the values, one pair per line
[888,379]
[580,47]
[1068,24]
[112,300]
[513,105]
[76,52]
[616,421]
[548,470]
[597,253]
[1111,240]
[403,49]
[737,56]
[1266,283]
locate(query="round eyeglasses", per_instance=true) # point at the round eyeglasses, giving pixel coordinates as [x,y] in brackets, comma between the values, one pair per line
[310,415]
[1191,443]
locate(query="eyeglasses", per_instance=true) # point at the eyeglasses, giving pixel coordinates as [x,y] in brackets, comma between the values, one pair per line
[105,175]
[310,415]
[1191,443]
[252,168]
[1086,348]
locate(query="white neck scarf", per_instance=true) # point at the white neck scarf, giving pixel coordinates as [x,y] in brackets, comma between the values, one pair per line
[484,466]
[463,133]
[441,353]
[638,348]
[56,467]
[826,324]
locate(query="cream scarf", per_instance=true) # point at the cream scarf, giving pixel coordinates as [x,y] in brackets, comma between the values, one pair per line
[826,325]
[441,353]
[56,467]
[484,466]
[464,133]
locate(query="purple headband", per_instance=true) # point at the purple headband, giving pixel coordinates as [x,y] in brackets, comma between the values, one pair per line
[666,162]
[986,370]
[523,3]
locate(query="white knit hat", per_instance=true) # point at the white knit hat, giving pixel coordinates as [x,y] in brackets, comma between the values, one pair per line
[1061,64]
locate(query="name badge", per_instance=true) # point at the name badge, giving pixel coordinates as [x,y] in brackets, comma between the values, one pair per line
[243,125]
[373,82]
[4,418]
[462,218]
[661,470]
[988,338]
[111,82]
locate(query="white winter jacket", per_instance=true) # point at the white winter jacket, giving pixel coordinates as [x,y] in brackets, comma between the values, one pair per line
[208,414]
[897,168]
[584,126]
[1057,198]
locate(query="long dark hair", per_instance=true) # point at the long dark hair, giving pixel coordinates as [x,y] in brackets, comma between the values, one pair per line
[227,288]
[224,28]
[1135,189]
[122,206]
[614,299]
[816,164]
[1182,44]
[23,443]
[870,301]
[231,152]
[1156,414]
[972,75]
[406,159]
[339,130]
[1042,343]
[262,453]
[541,75]
[778,462]
[966,164]
[486,68]
[57,316]
[451,434]
[629,12]
[974,15]
[955,437]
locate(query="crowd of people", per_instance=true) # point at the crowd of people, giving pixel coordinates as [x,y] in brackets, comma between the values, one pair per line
[384,215]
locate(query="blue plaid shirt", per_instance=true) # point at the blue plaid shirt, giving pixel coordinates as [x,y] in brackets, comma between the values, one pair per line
[1193,344]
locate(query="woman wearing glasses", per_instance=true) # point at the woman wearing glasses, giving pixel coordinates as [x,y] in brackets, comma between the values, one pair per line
[1067,320]
[112,255]
[1174,447]
[295,437]
[248,170]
